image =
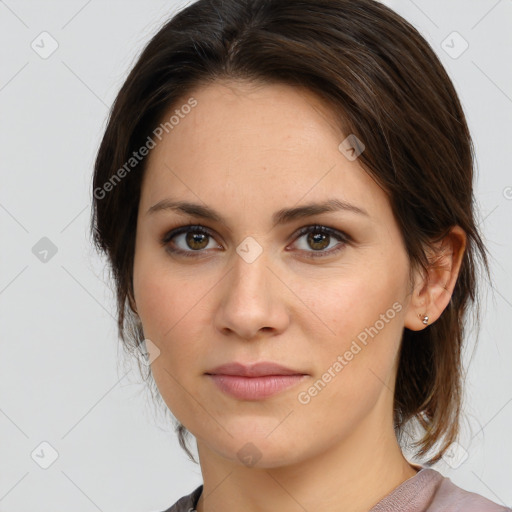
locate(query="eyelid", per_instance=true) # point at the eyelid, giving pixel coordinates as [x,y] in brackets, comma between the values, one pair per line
[173,232]
[343,238]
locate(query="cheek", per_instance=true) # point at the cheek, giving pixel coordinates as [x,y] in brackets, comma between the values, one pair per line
[154,303]
[343,305]
[161,295]
[354,366]
[359,317]
[169,310]
[171,305]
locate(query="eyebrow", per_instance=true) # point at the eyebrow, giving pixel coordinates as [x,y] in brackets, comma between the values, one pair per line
[284,216]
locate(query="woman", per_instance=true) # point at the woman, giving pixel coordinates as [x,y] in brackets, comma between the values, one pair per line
[284,193]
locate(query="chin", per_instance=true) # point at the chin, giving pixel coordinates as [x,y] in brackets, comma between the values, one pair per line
[256,450]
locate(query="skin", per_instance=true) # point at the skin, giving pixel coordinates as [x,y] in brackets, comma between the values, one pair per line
[247,151]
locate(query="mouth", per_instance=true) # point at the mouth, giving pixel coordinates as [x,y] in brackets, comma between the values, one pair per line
[254,388]
[254,382]
[260,369]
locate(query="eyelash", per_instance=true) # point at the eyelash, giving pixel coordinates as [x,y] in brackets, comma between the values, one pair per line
[339,235]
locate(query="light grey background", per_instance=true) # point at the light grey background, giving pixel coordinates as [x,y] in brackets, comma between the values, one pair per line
[61,379]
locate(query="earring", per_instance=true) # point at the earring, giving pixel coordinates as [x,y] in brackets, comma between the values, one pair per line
[425,318]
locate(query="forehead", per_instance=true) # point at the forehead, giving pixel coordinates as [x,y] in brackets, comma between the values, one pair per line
[253,141]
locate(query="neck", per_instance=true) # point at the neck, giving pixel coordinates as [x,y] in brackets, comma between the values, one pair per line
[352,475]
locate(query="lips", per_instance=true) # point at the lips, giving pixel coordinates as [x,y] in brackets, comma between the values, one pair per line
[260,369]
[256,381]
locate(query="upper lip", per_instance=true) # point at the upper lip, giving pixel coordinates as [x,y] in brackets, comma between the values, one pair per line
[253,370]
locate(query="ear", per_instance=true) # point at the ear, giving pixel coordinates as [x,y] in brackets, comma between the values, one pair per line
[432,293]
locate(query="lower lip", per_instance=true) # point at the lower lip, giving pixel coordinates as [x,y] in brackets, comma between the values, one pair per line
[255,388]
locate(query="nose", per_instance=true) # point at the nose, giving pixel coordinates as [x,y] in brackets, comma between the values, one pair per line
[252,299]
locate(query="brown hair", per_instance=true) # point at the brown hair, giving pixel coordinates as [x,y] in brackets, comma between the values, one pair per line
[386,86]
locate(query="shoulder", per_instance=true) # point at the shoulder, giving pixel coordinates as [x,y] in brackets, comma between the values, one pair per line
[449,497]
[428,485]
[186,503]
[430,491]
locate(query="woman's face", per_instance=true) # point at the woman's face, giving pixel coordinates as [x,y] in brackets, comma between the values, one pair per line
[331,306]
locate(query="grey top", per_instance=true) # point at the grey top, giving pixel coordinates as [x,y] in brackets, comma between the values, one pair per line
[427,491]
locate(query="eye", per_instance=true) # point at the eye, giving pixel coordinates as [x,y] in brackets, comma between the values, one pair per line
[319,238]
[195,238]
